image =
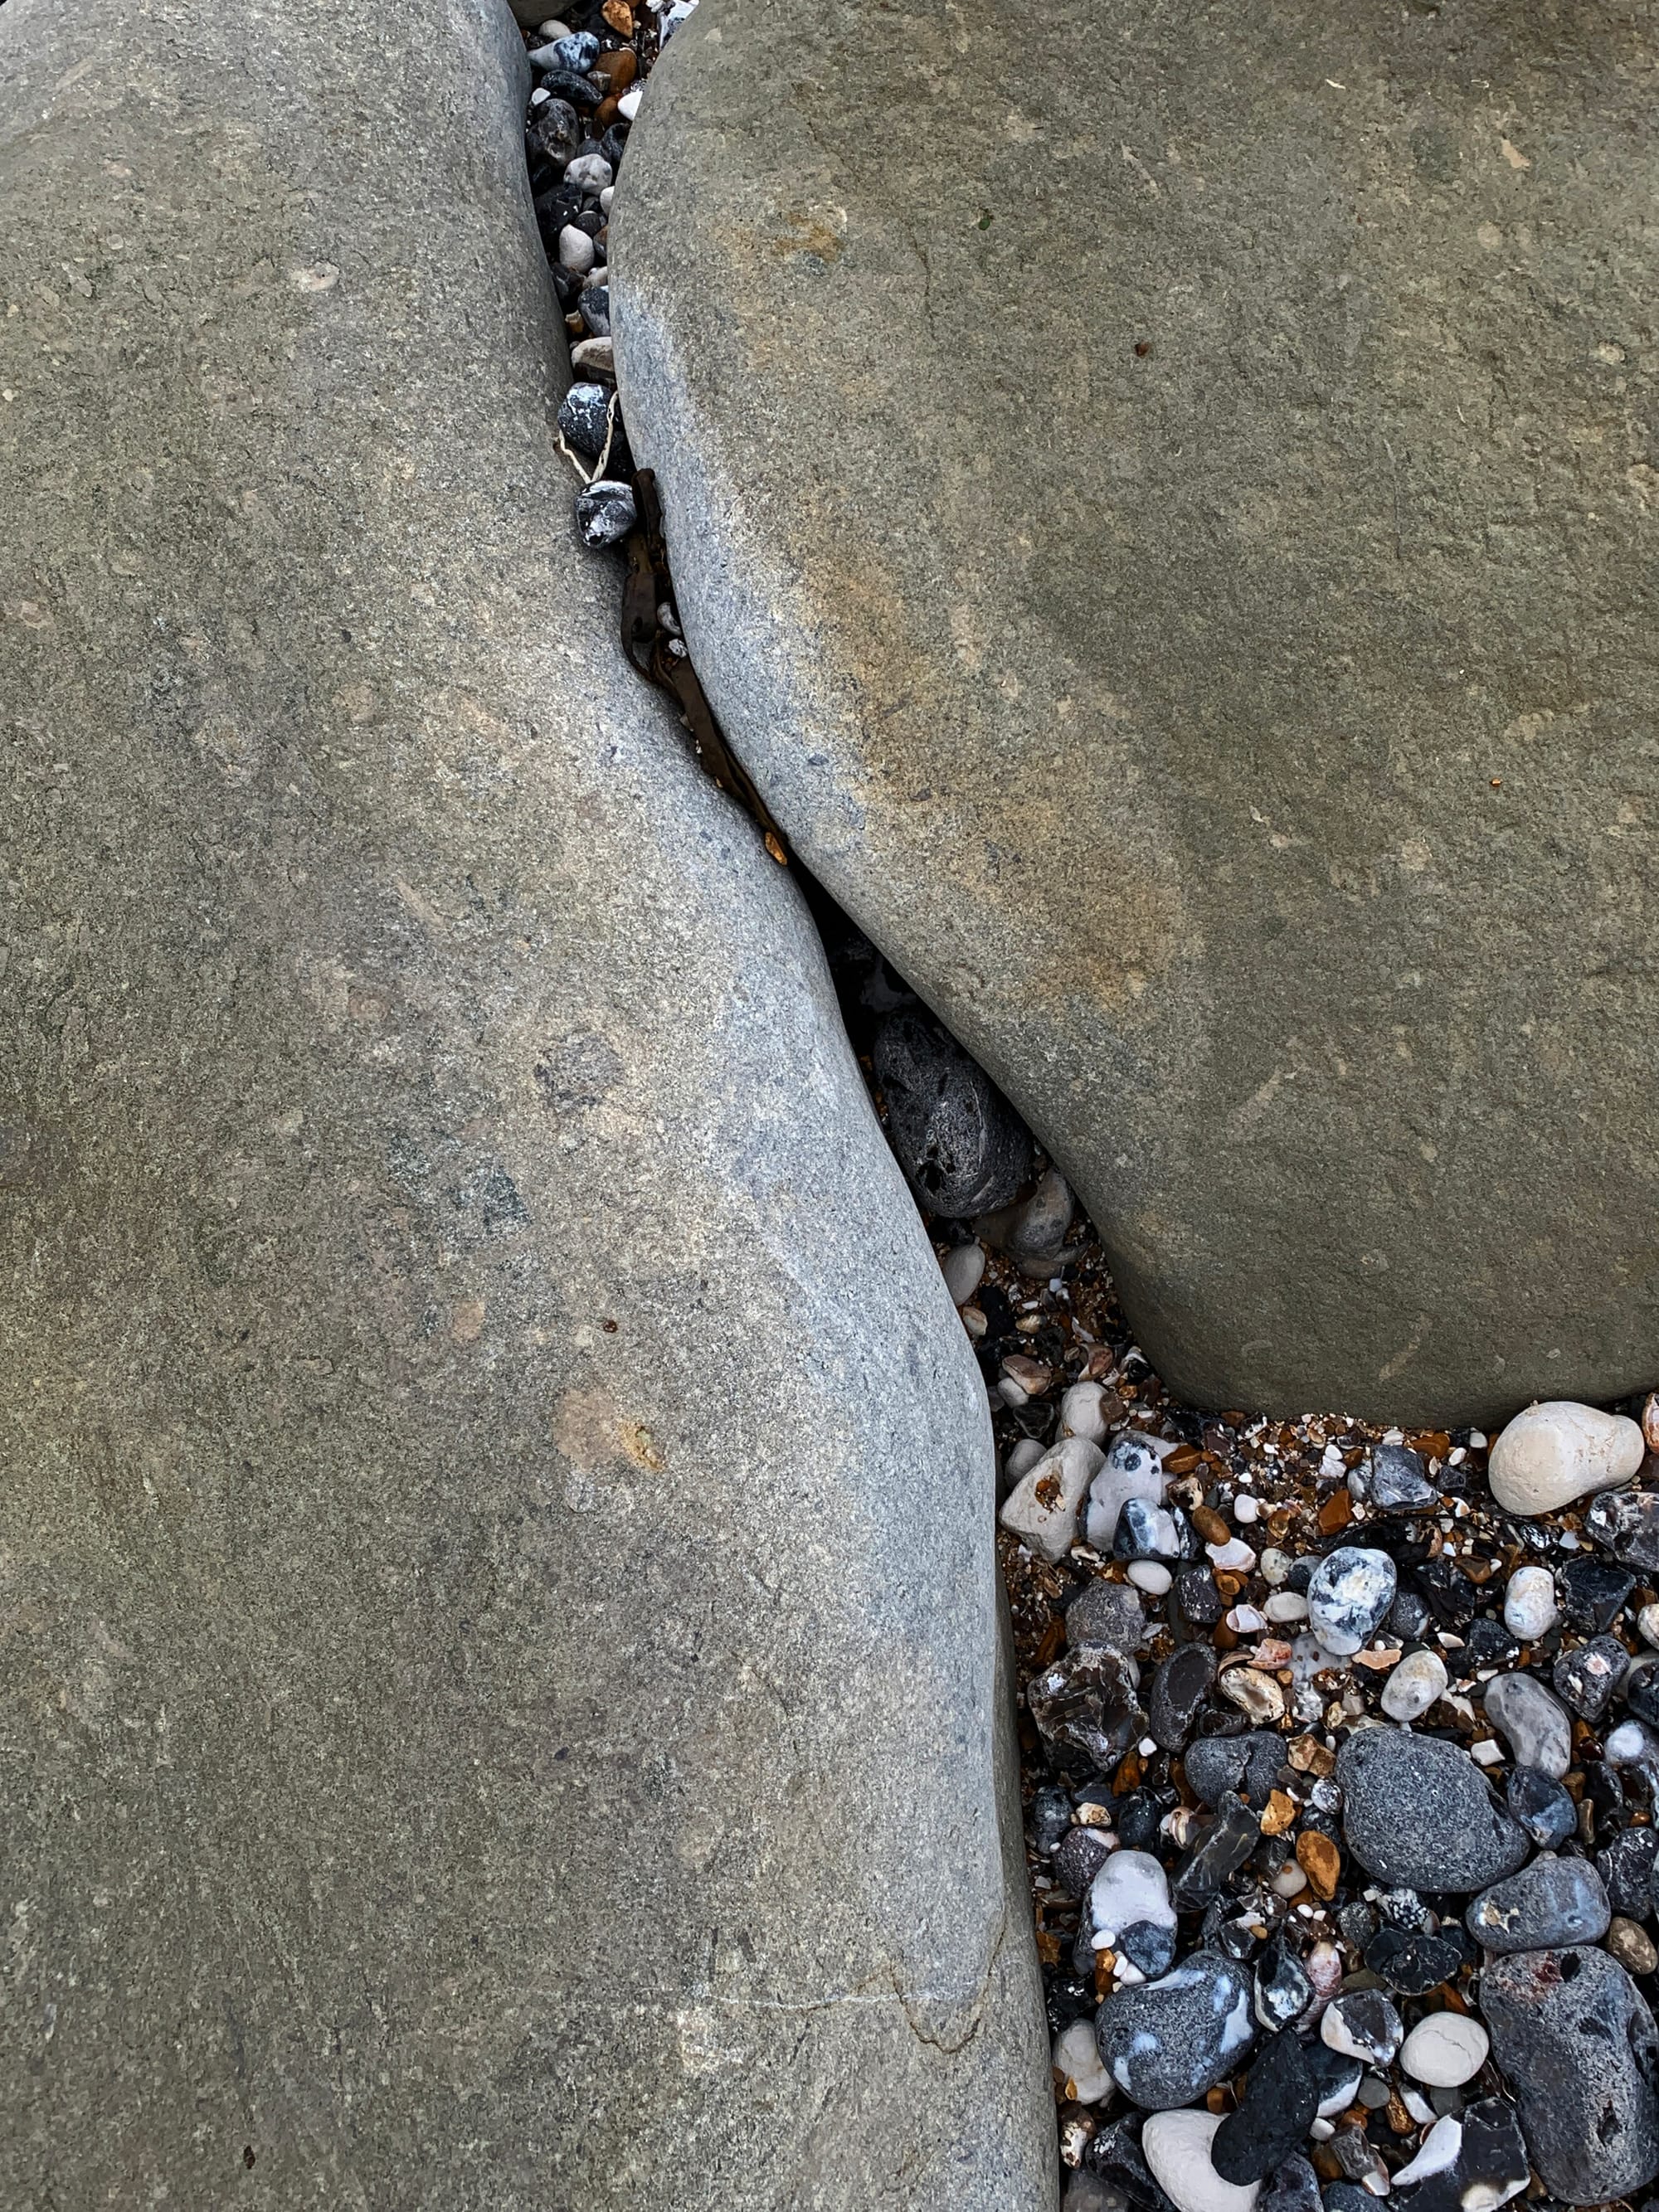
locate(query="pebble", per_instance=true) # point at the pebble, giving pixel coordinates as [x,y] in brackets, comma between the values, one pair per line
[963,1265]
[1081,1854]
[1145,1532]
[1247,1763]
[1550,1903]
[1219,1852]
[1151,1577]
[589,173]
[605,512]
[1412,1965]
[1281,1992]
[594,356]
[1441,2147]
[1258,1696]
[576,50]
[583,418]
[1626,1523]
[1445,2050]
[1336,2077]
[1180,1690]
[1168,2041]
[1536,1726]
[1076,2061]
[1130,1469]
[1586,1677]
[1647,1624]
[1490,2166]
[963,1148]
[1081,1412]
[1414,1685]
[1273,2117]
[1397,1480]
[1291,2187]
[1177,2147]
[1032,1231]
[1349,1595]
[1042,1508]
[1574,2039]
[1640,1688]
[1554,1453]
[1417,1810]
[1087,1699]
[1131,1889]
[576,250]
[1629,1744]
[1632,1945]
[1285,1605]
[1108,1614]
[1626,1868]
[1542,1806]
[1529,1606]
[1363,2025]
[627,106]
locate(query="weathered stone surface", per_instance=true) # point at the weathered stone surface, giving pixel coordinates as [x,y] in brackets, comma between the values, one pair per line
[496,1679]
[1163,516]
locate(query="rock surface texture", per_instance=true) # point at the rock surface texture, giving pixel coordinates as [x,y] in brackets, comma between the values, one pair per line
[1166,528]
[497,1678]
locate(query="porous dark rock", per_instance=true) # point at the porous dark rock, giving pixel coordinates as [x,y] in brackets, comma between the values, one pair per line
[1574,2039]
[963,1149]
[1271,2120]
[1418,1810]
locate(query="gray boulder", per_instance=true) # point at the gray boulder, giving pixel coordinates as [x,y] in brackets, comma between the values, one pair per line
[499,1677]
[1161,520]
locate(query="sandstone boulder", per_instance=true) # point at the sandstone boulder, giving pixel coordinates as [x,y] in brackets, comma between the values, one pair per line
[1162,501]
[497,1657]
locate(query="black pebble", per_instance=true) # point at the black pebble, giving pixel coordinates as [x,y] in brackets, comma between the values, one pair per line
[1542,1806]
[961,1146]
[1592,1593]
[1273,2117]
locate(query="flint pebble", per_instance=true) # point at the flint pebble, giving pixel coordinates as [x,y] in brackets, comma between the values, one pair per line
[1349,1595]
[1529,1606]
[1168,2041]
[1177,2145]
[1557,1451]
[1445,2050]
[1414,1685]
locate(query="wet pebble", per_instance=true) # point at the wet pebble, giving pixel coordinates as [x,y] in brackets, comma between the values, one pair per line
[1632,1945]
[1397,1480]
[1529,1606]
[1109,1614]
[1281,1992]
[1417,1810]
[1552,1902]
[1247,1764]
[1415,1684]
[1536,1724]
[1086,1700]
[1586,1677]
[1130,1469]
[1542,1805]
[1042,1507]
[605,512]
[1349,1595]
[1363,2025]
[1179,1689]
[1593,1592]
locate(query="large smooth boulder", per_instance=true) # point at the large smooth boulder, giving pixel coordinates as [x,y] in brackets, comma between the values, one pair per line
[498,1675]
[1162,500]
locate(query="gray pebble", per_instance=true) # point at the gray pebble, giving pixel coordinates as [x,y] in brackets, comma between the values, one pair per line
[1419,1811]
[1550,1903]
[1109,1615]
[1536,1725]
[1166,2042]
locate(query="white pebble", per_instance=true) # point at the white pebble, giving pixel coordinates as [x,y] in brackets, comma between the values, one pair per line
[1131,1887]
[605,199]
[1414,1685]
[554,30]
[1445,2051]
[1245,1620]
[1629,1744]
[1042,1508]
[1286,1605]
[1148,1575]
[1529,1606]
[1275,1566]
[1131,1469]
[1080,1414]
[1290,1880]
[1023,1457]
[1246,1509]
[629,104]
[1235,1555]
[575,249]
[1647,1622]
[1553,1453]
[963,1268]
[1177,2147]
[1077,2060]
[589,172]
[1487,1752]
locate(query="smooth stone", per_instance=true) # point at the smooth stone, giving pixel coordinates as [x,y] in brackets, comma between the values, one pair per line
[1291,2187]
[1542,1805]
[592,357]
[1111,890]
[1079,1858]
[1593,1592]
[1145,1532]
[1217,1855]
[1586,1677]
[1555,1452]
[605,512]
[1348,1597]
[1445,2050]
[1178,2147]
[1414,1964]
[1529,1606]
[1180,1690]
[1215,1765]
[1489,2165]
[1536,1725]
[1109,1614]
[1552,1902]
[584,417]
[1414,1685]
[1042,1508]
[1336,2076]
[1081,1412]
[576,250]
[1631,1945]
[1417,1810]
[963,1148]
[506,1663]
[1166,2042]
[1363,2025]
[1626,1866]
[1574,2039]
[589,173]
[1441,2147]
[1130,1889]
[1151,1576]
[1086,1700]
[1131,1468]
[1032,1231]
[963,1269]
[1273,2117]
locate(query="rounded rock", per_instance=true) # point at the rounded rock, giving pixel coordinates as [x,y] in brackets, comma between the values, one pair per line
[1414,1685]
[576,250]
[1445,2051]
[1363,2025]
[1349,1595]
[605,512]
[1418,1811]
[1177,2147]
[1529,1606]
[1536,1725]
[963,1148]
[1166,2042]
[963,1265]
[1042,1509]
[1559,1450]
[1551,1904]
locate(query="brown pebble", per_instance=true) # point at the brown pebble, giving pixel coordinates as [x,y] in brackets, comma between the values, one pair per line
[1105,1966]
[1309,1756]
[1631,1945]
[607,112]
[1280,1813]
[1336,1512]
[1399,2119]
[1228,1582]
[620,16]
[1320,1860]
[1182,1460]
[1208,1523]
[618,67]
[1029,1375]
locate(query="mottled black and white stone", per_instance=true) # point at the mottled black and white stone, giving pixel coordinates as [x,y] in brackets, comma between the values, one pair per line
[1586,1677]
[1542,1806]
[1178,1693]
[1166,2042]
[1349,1594]
[1397,1480]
